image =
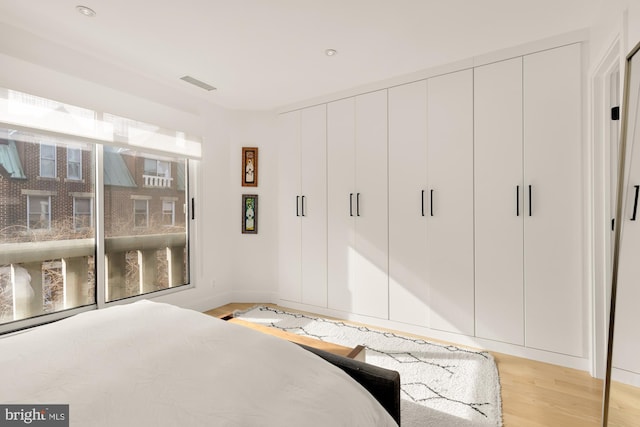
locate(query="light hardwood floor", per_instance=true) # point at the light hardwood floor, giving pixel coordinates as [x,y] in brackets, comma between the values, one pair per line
[534,394]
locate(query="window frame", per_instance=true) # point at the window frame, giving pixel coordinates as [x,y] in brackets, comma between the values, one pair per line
[155,171]
[75,213]
[179,146]
[172,213]
[135,212]
[29,212]
[44,159]
[96,206]
[78,162]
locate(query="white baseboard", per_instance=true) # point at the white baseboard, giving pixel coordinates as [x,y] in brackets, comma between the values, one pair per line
[580,363]
[625,377]
[253,296]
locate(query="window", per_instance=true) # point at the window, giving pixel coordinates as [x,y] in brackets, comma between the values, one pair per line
[82,213]
[46,267]
[140,213]
[157,173]
[74,163]
[39,212]
[148,263]
[58,255]
[47,161]
[157,168]
[168,212]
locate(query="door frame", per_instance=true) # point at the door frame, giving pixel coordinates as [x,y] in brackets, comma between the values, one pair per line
[601,213]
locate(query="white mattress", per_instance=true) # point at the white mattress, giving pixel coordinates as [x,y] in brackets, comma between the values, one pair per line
[153,364]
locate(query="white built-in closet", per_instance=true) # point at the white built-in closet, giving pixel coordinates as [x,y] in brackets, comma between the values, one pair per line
[431,202]
[303,201]
[357,204]
[528,210]
[452,203]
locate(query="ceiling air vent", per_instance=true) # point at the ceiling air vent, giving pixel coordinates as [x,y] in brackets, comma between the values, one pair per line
[198,83]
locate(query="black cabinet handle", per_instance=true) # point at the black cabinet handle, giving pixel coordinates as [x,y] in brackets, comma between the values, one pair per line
[357,204]
[297,205]
[431,202]
[350,204]
[303,214]
[530,201]
[193,208]
[635,203]
[422,200]
[517,200]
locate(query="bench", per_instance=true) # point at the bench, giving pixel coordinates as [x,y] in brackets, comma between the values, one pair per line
[356,353]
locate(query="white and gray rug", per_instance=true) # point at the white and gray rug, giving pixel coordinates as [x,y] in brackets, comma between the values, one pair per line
[442,385]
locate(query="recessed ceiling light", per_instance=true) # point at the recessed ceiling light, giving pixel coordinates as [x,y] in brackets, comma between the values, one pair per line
[330,52]
[86,11]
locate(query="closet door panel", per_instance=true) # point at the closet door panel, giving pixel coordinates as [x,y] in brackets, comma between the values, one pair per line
[313,207]
[555,294]
[450,222]
[289,232]
[371,285]
[341,160]
[408,292]
[499,212]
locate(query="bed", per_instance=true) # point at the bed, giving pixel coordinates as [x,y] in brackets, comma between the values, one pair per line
[154,364]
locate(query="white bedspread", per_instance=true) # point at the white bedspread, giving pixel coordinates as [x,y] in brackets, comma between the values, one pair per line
[153,364]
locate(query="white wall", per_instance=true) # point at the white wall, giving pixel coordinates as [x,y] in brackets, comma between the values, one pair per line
[254,262]
[212,233]
[618,18]
[235,267]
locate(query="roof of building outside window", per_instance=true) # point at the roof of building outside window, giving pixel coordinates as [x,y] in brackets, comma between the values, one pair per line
[181,178]
[116,171]
[10,160]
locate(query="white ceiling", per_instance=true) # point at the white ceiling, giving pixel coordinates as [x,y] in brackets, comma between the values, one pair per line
[263,54]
